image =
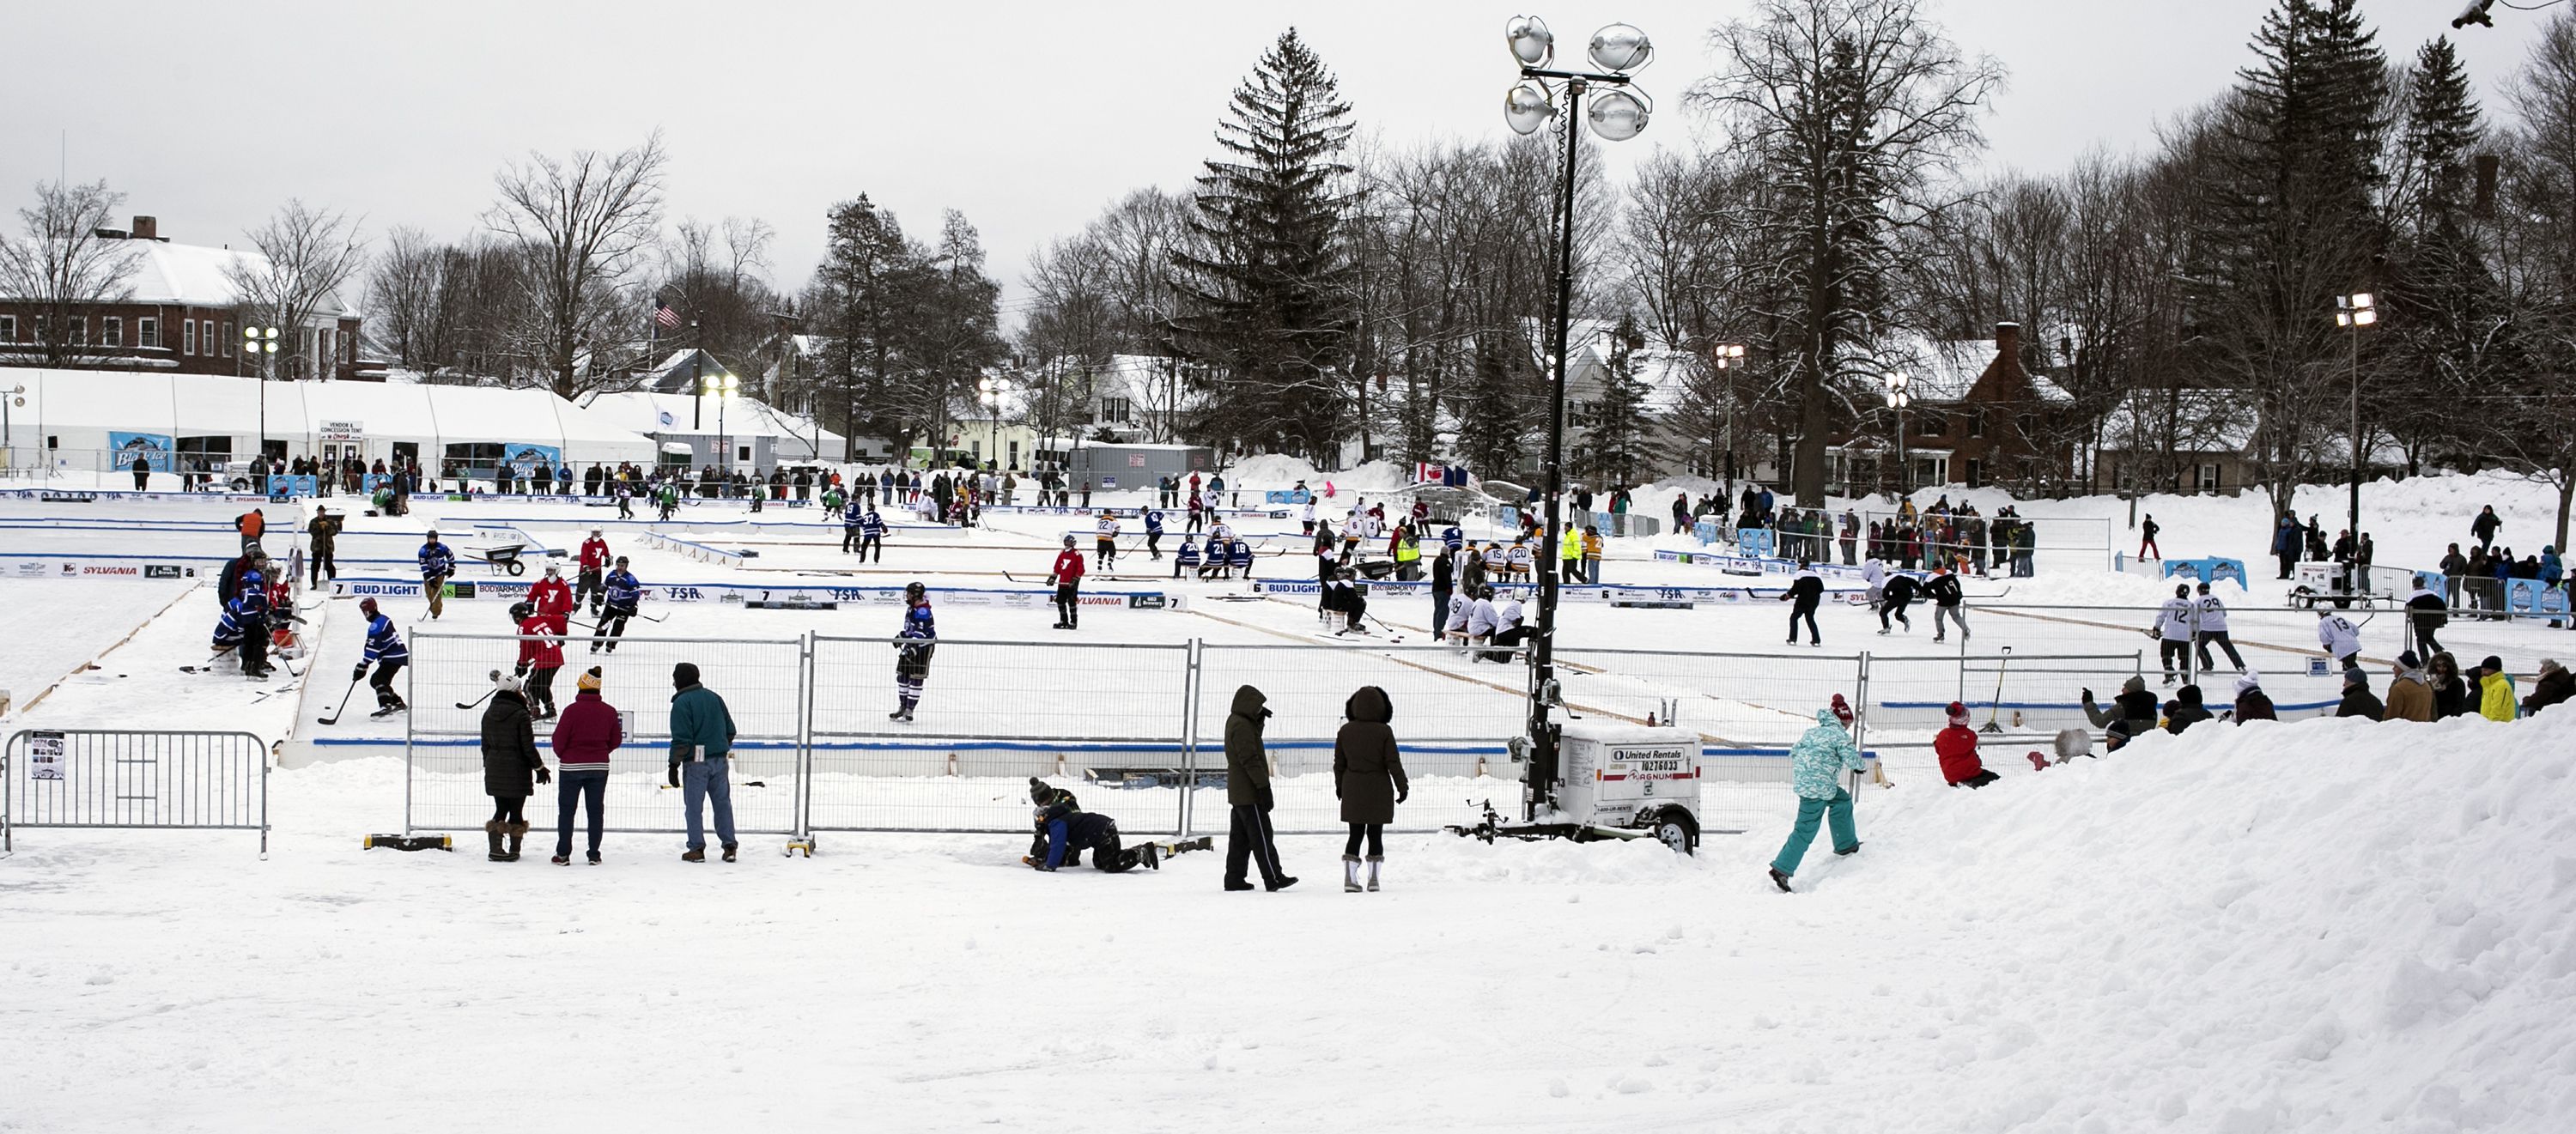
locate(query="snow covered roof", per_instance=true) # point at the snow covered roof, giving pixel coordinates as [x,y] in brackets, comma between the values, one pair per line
[223,405]
[197,276]
[1945,370]
[682,371]
[2198,421]
[657,414]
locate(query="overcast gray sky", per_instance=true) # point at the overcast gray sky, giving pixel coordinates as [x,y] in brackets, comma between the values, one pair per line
[1027,116]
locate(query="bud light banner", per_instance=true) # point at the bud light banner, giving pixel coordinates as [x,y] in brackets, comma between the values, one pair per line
[154,448]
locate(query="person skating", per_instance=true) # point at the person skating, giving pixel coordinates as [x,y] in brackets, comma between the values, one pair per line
[1250,843]
[1070,830]
[2410,692]
[1153,533]
[853,516]
[2427,612]
[702,735]
[540,656]
[1956,745]
[583,740]
[1805,591]
[2209,625]
[324,535]
[872,533]
[509,760]
[2252,703]
[1369,779]
[593,561]
[2339,637]
[1067,577]
[550,598]
[920,639]
[1949,605]
[2147,548]
[2173,632]
[1898,594]
[1817,763]
[2358,700]
[1105,541]
[385,651]
[437,565]
[624,600]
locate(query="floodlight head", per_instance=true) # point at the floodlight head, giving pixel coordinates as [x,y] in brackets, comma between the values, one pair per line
[1526,108]
[1531,43]
[1618,115]
[1621,48]
[250,332]
[2364,300]
[2365,317]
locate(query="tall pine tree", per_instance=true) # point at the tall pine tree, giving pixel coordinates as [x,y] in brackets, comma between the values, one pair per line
[1265,290]
[1614,421]
[2447,331]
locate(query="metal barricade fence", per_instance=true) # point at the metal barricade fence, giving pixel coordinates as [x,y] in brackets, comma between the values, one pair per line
[2029,696]
[1454,711]
[134,779]
[761,680]
[1108,720]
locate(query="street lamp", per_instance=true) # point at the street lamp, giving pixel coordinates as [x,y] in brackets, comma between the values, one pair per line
[988,391]
[2354,312]
[722,384]
[260,343]
[1899,397]
[1618,113]
[1729,356]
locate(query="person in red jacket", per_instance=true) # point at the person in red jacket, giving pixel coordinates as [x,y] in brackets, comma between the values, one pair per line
[552,598]
[583,738]
[1957,747]
[594,560]
[540,655]
[1067,577]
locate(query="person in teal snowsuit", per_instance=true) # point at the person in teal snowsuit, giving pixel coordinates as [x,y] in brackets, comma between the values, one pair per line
[1816,766]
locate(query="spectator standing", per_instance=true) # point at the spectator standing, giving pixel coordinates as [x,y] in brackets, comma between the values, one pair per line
[702,735]
[2495,690]
[2252,703]
[509,760]
[1369,779]
[2486,526]
[584,737]
[2358,700]
[1249,841]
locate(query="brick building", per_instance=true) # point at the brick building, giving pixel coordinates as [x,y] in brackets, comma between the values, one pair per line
[181,316]
[1976,418]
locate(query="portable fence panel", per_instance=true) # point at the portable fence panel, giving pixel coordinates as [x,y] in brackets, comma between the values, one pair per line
[1747,708]
[134,779]
[2029,696]
[1453,714]
[761,681]
[1105,720]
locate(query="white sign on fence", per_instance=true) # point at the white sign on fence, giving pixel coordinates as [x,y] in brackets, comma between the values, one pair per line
[44,756]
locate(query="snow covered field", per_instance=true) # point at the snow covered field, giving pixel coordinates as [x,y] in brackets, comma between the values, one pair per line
[2318,925]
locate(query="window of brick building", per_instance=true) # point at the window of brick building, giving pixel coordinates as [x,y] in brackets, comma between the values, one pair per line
[111,331]
[8,328]
[147,332]
[227,338]
[187,336]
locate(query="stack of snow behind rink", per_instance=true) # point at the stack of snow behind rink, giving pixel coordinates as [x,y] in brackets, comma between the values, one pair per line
[694,550]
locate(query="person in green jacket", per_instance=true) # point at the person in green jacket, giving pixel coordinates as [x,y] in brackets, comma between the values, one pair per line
[701,746]
[1816,765]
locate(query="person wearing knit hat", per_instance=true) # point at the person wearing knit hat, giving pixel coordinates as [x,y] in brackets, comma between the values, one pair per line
[2494,690]
[2134,705]
[2555,686]
[2358,700]
[511,766]
[2252,703]
[587,732]
[2410,693]
[1957,747]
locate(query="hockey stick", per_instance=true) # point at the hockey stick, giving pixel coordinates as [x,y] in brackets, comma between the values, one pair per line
[479,700]
[1997,704]
[334,718]
[1392,635]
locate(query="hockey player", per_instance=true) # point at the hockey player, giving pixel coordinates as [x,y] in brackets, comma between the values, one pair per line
[228,633]
[1898,594]
[1482,621]
[2173,632]
[540,655]
[1454,628]
[872,530]
[1186,558]
[2340,638]
[1106,545]
[1238,555]
[594,560]
[1069,829]
[1153,534]
[551,600]
[1805,591]
[2212,627]
[437,565]
[1043,795]
[1510,628]
[625,600]
[385,650]
[853,515]
[1948,604]
[2428,612]
[920,636]
[1306,517]
[1340,595]
[1067,577]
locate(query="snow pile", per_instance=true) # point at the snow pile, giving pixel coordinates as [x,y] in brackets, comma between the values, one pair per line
[1278,470]
[2324,926]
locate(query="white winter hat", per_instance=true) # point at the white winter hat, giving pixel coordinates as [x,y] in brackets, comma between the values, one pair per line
[505,682]
[2249,680]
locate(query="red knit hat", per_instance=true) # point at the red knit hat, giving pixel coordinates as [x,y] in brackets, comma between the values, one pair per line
[1958,714]
[1842,709]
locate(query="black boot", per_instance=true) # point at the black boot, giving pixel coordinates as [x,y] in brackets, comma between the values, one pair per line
[492,831]
[517,832]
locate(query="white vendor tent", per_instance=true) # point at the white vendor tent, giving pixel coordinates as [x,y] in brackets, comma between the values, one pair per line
[73,417]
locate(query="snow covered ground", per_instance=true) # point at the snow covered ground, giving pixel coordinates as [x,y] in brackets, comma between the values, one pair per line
[2317,925]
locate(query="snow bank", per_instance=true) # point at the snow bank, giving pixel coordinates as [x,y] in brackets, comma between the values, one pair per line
[1276,470]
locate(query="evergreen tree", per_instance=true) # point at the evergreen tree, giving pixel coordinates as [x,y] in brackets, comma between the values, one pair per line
[2447,333]
[858,301]
[1614,421]
[1264,291]
[1493,425]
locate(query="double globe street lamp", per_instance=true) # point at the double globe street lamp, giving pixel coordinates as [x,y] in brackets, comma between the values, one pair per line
[1617,113]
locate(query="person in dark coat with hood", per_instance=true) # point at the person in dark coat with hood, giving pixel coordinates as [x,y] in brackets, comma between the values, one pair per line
[1250,841]
[2358,700]
[2252,703]
[2185,710]
[2134,705]
[1368,777]
[512,769]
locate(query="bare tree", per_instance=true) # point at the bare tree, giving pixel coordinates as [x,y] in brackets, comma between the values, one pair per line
[305,257]
[403,298]
[63,269]
[579,223]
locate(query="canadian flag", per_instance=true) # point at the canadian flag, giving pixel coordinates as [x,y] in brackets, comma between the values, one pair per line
[1427,472]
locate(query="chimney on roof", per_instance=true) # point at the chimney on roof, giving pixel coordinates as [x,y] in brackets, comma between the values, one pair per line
[147,228]
[2008,340]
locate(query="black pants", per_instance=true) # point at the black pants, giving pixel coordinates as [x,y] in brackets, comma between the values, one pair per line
[611,625]
[1106,551]
[324,563]
[1358,610]
[1154,545]
[586,588]
[1376,834]
[1895,610]
[1250,843]
[254,647]
[2205,637]
[1068,604]
[383,683]
[871,543]
[849,540]
[541,690]
[1512,637]
[1803,611]
[2289,559]
[1107,856]
[2426,645]
[141,480]
[509,809]
[584,789]
[1573,571]
[2173,654]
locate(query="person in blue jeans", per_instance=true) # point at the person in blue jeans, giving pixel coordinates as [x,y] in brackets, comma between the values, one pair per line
[701,744]
[1816,764]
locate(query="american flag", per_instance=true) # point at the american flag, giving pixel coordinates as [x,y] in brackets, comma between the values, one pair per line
[669,319]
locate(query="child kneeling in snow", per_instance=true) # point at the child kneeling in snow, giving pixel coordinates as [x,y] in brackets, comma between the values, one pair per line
[1957,747]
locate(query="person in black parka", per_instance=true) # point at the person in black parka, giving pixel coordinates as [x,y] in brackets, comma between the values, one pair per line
[1250,842]
[1368,777]
[512,769]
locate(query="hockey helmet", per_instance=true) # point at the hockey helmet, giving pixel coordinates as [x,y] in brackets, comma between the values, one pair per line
[519,611]
[554,570]
[367,606]
[1068,541]
[914,592]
